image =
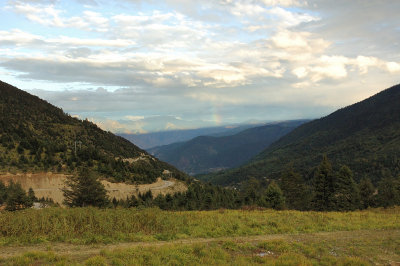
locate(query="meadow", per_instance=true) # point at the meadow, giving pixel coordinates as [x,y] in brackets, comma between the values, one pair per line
[154,237]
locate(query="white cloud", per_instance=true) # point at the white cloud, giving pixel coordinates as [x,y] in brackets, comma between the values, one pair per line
[17,37]
[290,19]
[247,9]
[364,62]
[134,117]
[300,72]
[48,15]
[303,42]
[393,66]
[284,2]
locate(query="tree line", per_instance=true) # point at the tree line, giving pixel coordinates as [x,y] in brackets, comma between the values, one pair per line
[329,190]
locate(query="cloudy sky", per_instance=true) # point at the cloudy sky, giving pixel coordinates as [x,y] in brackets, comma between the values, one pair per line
[140,66]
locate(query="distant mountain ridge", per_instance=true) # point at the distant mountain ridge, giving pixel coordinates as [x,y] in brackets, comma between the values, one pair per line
[37,136]
[365,136]
[211,153]
[154,139]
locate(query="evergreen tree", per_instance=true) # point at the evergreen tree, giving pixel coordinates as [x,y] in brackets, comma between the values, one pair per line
[3,192]
[388,192]
[323,186]
[114,202]
[132,201]
[346,195]
[31,196]
[294,190]
[16,197]
[160,201]
[85,190]
[208,201]
[251,192]
[367,191]
[274,197]
[146,198]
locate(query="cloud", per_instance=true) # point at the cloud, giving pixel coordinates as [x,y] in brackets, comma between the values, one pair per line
[16,37]
[137,66]
[299,42]
[134,117]
[48,15]
[393,66]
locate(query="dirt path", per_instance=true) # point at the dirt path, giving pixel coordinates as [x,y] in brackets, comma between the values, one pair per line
[82,251]
[165,184]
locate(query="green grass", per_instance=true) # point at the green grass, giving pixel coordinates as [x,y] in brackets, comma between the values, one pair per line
[91,225]
[344,248]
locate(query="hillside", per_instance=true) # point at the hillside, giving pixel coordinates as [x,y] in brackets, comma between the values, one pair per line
[37,136]
[154,139]
[210,153]
[365,136]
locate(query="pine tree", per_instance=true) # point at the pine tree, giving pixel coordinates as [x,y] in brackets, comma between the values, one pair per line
[31,196]
[85,190]
[367,191]
[16,197]
[160,201]
[388,192]
[274,197]
[3,192]
[294,190]
[251,192]
[346,195]
[323,186]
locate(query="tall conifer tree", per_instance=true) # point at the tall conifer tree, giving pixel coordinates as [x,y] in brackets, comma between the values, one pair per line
[367,191]
[323,186]
[294,190]
[346,194]
[85,190]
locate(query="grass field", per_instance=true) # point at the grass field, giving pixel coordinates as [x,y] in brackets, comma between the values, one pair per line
[151,236]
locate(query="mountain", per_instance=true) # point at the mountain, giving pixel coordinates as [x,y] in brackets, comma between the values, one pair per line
[364,136]
[150,140]
[37,136]
[210,153]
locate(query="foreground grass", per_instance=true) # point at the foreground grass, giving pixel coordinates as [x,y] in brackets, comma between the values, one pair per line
[334,248]
[90,225]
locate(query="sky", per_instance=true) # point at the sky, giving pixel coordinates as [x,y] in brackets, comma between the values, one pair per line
[135,66]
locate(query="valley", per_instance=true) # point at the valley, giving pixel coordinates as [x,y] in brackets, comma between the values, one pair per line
[204,154]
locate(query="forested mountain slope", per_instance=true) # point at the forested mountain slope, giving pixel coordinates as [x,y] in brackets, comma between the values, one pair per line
[365,136]
[37,136]
[208,153]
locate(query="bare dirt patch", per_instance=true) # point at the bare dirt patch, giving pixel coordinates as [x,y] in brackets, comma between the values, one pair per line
[48,185]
